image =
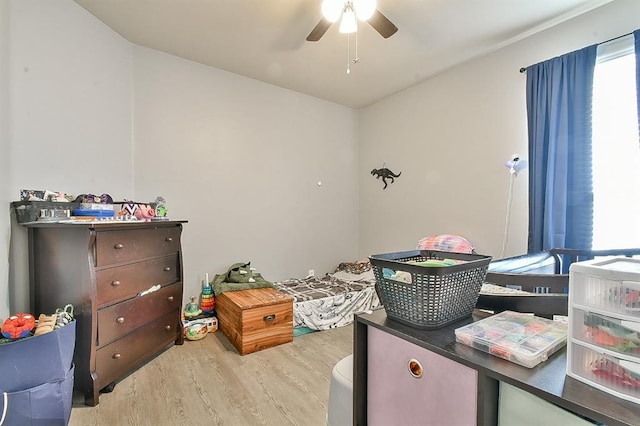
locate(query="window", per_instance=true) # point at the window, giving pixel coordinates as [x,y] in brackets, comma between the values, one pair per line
[616,148]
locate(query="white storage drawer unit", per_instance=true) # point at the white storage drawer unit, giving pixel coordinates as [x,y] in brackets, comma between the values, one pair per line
[603,348]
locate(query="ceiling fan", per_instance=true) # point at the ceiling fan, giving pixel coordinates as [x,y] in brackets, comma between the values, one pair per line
[347,11]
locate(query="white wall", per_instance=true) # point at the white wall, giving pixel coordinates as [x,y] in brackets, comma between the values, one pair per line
[70,100]
[5,164]
[70,112]
[450,137]
[241,161]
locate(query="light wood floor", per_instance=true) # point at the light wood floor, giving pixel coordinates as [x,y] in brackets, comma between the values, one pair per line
[207,382]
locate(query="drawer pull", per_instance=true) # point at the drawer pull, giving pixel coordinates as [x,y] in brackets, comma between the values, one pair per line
[415,368]
[118,246]
[115,283]
[120,320]
[116,356]
[169,239]
[167,268]
[170,298]
[167,327]
[270,317]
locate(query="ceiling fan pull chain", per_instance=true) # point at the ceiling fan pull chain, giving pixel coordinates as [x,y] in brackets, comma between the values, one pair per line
[348,54]
[356,59]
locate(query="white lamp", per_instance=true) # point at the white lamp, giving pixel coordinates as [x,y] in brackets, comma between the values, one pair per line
[364,8]
[348,23]
[349,10]
[332,9]
[516,164]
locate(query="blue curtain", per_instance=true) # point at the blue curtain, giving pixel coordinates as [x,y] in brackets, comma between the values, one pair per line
[559,93]
[636,40]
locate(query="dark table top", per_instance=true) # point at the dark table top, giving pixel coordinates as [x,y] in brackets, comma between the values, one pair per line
[103,224]
[548,380]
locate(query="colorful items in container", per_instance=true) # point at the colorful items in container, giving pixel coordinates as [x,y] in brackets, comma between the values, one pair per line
[196,329]
[616,374]
[612,333]
[520,338]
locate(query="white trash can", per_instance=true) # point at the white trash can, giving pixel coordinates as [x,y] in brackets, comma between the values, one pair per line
[340,412]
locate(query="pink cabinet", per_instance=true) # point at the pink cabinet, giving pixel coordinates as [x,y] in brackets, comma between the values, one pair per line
[410,385]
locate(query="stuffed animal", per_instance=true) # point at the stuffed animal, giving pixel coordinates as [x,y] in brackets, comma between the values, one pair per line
[46,323]
[144,212]
[240,273]
[17,326]
[64,316]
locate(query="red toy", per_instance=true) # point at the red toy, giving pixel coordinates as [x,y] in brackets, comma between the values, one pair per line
[17,326]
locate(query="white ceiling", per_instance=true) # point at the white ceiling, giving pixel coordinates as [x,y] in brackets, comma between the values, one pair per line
[265,39]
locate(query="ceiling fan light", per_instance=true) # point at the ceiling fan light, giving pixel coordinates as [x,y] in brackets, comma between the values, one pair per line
[348,24]
[332,9]
[364,8]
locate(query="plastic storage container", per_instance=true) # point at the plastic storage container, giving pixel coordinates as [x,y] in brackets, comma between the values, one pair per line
[524,339]
[607,372]
[603,348]
[607,285]
[617,335]
[429,289]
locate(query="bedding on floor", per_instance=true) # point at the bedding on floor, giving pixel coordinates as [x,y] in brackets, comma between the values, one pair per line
[330,301]
[321,303]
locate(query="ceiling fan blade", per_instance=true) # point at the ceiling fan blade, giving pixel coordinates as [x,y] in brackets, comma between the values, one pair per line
[319,30]
[381,24]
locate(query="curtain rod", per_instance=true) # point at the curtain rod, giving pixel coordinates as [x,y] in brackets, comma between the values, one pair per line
[523,69]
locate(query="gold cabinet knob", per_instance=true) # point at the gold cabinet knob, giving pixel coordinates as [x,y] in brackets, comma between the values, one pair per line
[167,327]
[118,246]
[167,268]
[115,283]
[116,356]
[170,298]
[120,320]
[169,239]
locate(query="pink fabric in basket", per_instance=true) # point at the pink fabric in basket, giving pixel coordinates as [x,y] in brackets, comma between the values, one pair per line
[446,242]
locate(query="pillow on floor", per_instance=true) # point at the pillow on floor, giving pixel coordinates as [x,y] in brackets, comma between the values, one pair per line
[446,242]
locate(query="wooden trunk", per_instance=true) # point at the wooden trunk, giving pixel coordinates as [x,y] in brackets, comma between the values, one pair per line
[255,319]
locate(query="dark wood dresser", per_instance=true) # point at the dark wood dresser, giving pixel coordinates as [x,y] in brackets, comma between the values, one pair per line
[105,270]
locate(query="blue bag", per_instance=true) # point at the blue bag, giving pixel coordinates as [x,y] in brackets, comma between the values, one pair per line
[46,405]
[32,361]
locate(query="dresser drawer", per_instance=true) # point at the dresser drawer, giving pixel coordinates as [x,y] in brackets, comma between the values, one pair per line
[130,245]
[119,319]
[121,356]
[122,282]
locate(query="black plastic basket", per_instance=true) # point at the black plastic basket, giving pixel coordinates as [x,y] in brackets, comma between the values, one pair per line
[436,295]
